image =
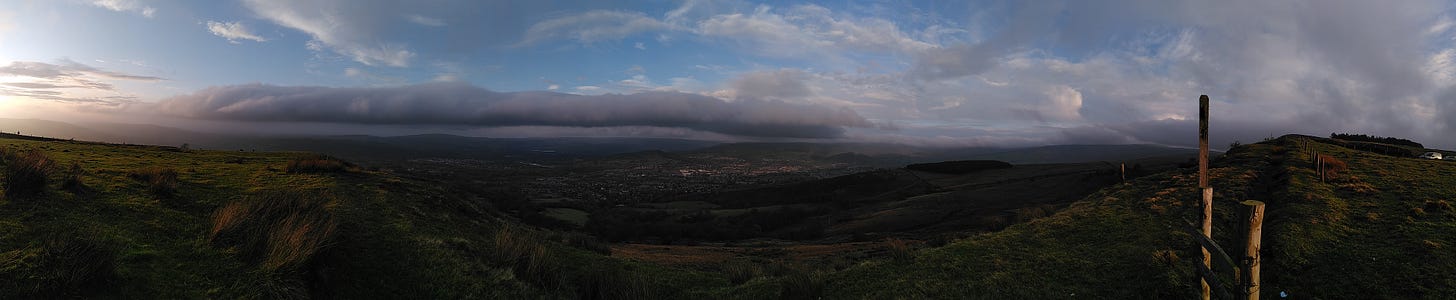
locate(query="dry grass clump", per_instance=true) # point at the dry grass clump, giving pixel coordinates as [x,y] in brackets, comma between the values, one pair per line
[740,271]
[26,172]
[281,231]
[1333,166]
[584,242]
[1025,214]
[802,285]
[899,249]
[1439,207]
[1166,257]
[318,163]
[526,253]
[615,283]
[160,181]
[71,178]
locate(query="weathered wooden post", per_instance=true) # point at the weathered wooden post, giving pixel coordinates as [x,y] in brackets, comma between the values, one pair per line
[1123,170]
[1203,184]
[1252,259]
[1321,167]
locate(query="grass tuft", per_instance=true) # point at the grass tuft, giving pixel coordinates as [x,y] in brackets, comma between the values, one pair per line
[63,266]
[527,255]
[802,285]
[281,231]
[318,163]
[615,283]
[26,172]
[741,271]
[160,181]
[71,178]
[899,249]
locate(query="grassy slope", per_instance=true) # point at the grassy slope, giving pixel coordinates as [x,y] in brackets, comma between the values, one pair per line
[1359,236]
[398,238]
[1322,240]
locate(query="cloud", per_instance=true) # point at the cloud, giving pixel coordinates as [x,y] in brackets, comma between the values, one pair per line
[804,31]
[66,81]
[592,26]
[778,84]
[463,104]
[808,31]
[345,27]
[423,20]
[233,31]
[126,6]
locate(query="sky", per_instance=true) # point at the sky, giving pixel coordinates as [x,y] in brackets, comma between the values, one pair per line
[930,73]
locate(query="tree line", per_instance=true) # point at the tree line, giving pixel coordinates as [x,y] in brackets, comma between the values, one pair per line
[1376,139]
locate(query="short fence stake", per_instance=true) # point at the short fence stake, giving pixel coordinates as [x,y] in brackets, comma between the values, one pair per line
[1251,250]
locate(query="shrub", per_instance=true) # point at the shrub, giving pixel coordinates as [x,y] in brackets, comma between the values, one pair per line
[26,172]
[160,181]
[281,231]
[318,163]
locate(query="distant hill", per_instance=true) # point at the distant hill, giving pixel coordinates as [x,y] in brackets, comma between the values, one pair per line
[366,148]
[1082,153]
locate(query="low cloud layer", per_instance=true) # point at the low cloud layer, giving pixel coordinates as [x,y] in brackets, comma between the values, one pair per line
[463,104]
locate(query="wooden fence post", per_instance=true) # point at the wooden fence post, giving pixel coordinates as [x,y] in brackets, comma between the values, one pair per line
[1123,168]
[1203,183]
[1321,168]
[1252,258]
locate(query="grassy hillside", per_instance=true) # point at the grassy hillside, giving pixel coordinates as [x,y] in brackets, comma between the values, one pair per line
[111,221]
[1382,229]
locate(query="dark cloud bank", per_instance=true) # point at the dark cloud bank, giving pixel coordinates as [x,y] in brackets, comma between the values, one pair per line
[464,104]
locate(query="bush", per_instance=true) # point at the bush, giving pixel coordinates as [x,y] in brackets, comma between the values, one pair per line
[160,181]
[26,172]
[280,231]
[318,163]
